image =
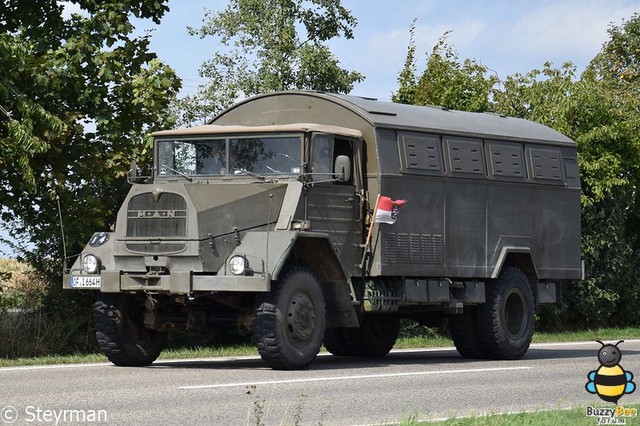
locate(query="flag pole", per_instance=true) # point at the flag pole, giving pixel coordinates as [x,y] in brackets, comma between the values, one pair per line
[372,222]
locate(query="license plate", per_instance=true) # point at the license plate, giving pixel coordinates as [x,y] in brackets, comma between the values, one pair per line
[85,282]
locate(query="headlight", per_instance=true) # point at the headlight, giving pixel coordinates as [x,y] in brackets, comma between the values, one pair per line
[91,264]
[237,265]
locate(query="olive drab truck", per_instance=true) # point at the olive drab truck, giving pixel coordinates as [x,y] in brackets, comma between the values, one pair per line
[316,218]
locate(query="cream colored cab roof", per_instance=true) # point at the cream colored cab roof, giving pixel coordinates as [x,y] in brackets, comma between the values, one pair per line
[212,129]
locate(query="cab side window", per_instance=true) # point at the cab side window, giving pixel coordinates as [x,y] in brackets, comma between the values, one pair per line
[325,148]
[322,157]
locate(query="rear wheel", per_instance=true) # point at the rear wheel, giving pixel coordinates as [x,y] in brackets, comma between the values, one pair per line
[121,333]
[375,337]
[334,341]
[465,334]
[505,321]
[289,322]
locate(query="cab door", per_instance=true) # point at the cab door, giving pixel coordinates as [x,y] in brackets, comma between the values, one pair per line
[334,207]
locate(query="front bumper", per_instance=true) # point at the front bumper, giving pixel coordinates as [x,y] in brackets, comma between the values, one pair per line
[178,282]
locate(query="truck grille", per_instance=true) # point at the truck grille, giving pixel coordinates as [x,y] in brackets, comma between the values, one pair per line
[155,248]
[163,217]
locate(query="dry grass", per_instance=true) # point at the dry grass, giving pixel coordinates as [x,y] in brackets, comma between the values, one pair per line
[20,287]
[28,328]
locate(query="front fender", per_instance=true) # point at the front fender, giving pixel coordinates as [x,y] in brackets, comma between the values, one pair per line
[266,252]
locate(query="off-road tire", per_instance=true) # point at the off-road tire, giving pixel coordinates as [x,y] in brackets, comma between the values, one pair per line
[334,341]
[120,331]
[464,332]
[505,321]
[375,337]
[289,321]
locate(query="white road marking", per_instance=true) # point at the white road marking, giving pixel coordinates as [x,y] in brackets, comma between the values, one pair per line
[53,367]
[356,377]
[582,343]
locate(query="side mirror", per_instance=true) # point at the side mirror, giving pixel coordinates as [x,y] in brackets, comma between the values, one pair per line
[342,168]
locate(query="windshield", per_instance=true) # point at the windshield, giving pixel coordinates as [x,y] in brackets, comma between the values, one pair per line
[266,155]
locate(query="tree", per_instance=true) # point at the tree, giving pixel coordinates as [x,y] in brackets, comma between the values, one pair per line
[585,110]
[599,111]
[445,81]
[270,46]
[617,71]
[539,95]
[78,97]
[610,147]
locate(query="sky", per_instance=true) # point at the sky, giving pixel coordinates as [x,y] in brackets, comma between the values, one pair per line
[507,36]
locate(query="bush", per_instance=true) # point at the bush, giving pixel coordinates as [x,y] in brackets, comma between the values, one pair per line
[27,334]
[37,320]
[20,288]
[410,328]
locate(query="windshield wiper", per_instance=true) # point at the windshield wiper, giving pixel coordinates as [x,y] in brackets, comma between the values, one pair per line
[184,175]
[250,173]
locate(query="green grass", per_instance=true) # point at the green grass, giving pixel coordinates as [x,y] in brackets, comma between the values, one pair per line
[606,334]
[422,342]
[53,359]
[168,354]
[226,351]
[575,416]
[609,334]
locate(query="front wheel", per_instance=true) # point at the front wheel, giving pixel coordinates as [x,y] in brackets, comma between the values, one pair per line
[505,321]
[289,322]
[121,333]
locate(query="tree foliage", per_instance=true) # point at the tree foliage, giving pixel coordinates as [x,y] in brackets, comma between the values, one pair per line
[599,110]
[445,81]
[78,96]
[269,46]
[610,148]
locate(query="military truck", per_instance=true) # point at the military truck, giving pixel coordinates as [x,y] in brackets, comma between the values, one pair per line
[266,217]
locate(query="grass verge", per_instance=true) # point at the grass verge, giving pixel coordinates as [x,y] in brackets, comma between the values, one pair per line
[608,334]
[574,416]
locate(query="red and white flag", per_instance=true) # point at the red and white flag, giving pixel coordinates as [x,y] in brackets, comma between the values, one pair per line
[387,210]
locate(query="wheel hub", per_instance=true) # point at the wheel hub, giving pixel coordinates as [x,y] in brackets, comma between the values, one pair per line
[301,318]
[515,315]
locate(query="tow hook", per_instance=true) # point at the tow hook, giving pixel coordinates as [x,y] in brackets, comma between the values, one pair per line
[151,304]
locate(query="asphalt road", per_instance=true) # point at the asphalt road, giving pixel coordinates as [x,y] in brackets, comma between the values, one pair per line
[427,383]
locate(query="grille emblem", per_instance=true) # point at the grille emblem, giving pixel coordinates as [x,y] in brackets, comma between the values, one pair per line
[156,194]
